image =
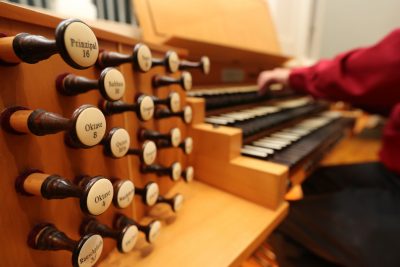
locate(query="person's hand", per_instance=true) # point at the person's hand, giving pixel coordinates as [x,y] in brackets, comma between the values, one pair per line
[270,77]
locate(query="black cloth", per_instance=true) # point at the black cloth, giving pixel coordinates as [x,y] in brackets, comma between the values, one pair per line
[349,216]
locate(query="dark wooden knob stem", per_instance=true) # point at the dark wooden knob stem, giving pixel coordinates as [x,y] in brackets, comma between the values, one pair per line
[125,237]
[174,202]
[39,122]
[151,230]
[174,171]
[167,113]
[31,49]
[149,193]
[172,101]
[47,237]
[144,107]
[170,61]
[140,58]
[185,81]
[34,182]
[203,65]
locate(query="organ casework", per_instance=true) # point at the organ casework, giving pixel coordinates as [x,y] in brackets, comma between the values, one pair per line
[149,193]
[175,202]
[74,41]
[186,145]
[151,231]
[85,252]
[188,174]
[170,61]
[125,237]
[144,107]
[111,84]
[185,81]
[85,129]
[204,65]
[173,138]
[174,171]
[186,114]
[116,145]
[124,191]
[141,58]
[95,193]
[173,101]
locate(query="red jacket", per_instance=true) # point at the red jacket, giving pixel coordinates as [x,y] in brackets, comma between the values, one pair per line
[368,78]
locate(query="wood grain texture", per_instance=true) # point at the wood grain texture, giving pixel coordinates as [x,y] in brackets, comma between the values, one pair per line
[208,231]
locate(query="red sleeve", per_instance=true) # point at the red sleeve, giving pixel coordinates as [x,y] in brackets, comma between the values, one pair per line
[367,77]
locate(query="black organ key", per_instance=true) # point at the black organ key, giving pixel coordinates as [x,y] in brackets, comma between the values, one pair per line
[125,237]
[141,58]
[85,129]
[85,252]
[74,41]
[111,84]
[151,230]
[95,193]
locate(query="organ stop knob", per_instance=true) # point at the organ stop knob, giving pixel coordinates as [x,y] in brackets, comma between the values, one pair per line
[86,128]
[144,107]
[170,61]
[85,252]
[151,231]
[185,81]
[95,193]
[74,41]
[173,101]
[186,114]
[204,65]
[141,58]
[125,237]
[111,84]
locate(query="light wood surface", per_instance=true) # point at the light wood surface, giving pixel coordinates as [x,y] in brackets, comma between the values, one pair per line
[233,23]
[213,228]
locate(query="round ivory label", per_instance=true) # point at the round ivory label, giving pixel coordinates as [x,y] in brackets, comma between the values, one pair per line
[149,152]
[176,171]
[119,143]
[130,238]
[175,102]
[144,58]
[188,145]
[178,202]
[90,126]
[152,194]
[187,80]
[114,84]
[189,174]
[173,61]
[175,137]
[81,44]
[205,62]
[187,114]
[125,194]
[90,251]
[100,196]
[154,231]
[146,108]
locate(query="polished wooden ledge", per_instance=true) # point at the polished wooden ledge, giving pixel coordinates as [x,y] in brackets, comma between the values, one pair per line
[214,228]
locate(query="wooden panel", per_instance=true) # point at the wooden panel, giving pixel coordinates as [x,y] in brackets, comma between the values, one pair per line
[208,231]
[235,23]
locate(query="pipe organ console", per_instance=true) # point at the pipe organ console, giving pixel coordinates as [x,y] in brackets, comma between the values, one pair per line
[81,70]
[139,123]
